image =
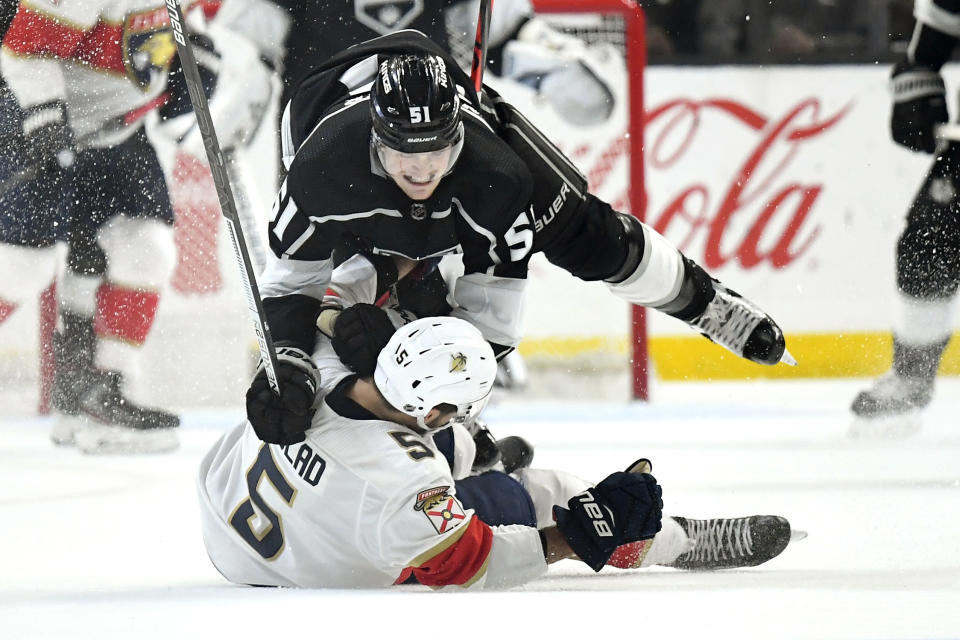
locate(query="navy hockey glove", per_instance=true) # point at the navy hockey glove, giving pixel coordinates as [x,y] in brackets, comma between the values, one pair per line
[623,508]
[919,105]
[49,140]
[359,334]
[284,419]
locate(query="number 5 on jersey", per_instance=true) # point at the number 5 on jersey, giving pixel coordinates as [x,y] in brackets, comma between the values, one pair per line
[266,540]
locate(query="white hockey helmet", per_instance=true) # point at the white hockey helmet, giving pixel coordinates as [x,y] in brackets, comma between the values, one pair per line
[435,361]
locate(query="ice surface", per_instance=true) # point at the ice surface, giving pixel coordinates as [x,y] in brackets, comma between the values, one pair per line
[109,547]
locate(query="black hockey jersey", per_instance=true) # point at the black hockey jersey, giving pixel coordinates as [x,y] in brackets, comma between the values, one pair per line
[336,194]
[942,15]
[335,191]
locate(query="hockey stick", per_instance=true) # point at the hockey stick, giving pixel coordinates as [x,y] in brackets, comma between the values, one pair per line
[221,180]
[480,44]
[245,212]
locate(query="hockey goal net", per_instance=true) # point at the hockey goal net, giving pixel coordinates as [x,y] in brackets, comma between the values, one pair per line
[578,327]
[202,351]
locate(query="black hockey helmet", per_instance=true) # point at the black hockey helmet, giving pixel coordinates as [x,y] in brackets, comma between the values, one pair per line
[415,104]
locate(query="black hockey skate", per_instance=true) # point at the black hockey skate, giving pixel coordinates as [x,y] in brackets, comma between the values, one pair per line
[74,373]
[734,322]
[893,406]
[114,424]
[507,454]
[893,395]
[732,543]
[515,453]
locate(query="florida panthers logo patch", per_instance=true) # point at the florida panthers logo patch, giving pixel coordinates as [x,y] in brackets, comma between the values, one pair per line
[443,510]
[148,46]
[458,362]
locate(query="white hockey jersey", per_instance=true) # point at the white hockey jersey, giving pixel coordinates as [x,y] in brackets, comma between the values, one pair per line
[107,59]
[361,503]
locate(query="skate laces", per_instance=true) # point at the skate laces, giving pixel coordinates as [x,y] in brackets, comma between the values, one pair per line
[729,319]
[720,539]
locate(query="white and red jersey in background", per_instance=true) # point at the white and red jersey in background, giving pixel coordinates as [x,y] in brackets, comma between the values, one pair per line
[107,61]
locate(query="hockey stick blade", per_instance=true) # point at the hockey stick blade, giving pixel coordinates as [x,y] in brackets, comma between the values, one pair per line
[221,180]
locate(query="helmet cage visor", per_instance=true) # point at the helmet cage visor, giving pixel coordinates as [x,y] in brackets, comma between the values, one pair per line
[384,152]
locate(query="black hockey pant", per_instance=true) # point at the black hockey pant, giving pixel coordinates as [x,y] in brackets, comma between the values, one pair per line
[574,229]
[928,252]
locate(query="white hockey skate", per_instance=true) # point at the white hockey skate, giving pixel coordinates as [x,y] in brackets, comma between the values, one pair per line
[111,423]
[892,407]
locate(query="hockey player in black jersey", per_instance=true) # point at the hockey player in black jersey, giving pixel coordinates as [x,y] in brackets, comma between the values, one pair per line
[418,168]
[928,251]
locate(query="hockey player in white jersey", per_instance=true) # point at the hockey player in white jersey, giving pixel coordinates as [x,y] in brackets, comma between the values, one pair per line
[85,76]
[368,500]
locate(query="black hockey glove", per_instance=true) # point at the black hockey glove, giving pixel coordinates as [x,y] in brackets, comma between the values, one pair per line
[284,419]
[49,141]
[359,333]
[919,105]
[208,63]
[623,508]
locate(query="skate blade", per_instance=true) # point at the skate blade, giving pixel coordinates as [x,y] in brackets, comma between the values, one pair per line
[797,534]
[110,439]
[886,428]
[787,358]
[64,430]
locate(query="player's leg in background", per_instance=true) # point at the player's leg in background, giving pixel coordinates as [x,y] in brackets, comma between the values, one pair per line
[928,274]
[584,235]
[120,259]
[34,206]
[25,271]
[28,229]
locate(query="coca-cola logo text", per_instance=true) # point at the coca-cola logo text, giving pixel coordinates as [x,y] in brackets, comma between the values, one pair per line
[747,208]
[754,189]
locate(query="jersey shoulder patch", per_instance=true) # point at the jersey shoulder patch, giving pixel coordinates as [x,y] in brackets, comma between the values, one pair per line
[441,508]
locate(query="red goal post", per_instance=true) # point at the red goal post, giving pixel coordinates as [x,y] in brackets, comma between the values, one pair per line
[634,52]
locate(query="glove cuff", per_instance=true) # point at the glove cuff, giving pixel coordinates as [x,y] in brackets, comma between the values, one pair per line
[327,317]
[44,115]
[302,360]
[910,82]
[580,541]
